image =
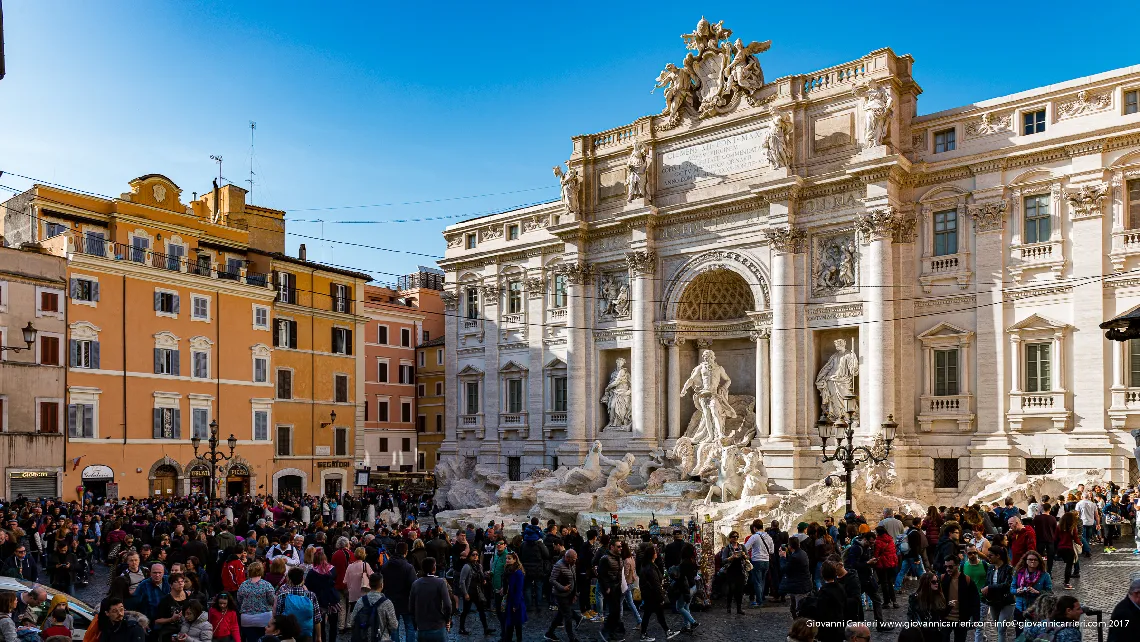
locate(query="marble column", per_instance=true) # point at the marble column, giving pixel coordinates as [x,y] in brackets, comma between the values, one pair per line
[490,448]
[578,279]
[452,388]
[643,366]
[763,396]
[877,398]
[673,386]
[786,242]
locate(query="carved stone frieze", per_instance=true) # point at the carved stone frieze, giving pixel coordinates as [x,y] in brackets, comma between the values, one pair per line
[491,233]
[786,239]
[1085,103]
[490,293]
[960,302]
[607,336]
[641,262]
[830,203]
[455,240]
[877,224]
[842,311]
[988,124]
[535,286]
[463,352]
[918,140]
[613,296]
[1086,200]
[536,222]
[989,216]
[835,263]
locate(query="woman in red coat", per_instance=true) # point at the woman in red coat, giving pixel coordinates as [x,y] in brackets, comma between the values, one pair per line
[233,572]
[224,619]
[886,565]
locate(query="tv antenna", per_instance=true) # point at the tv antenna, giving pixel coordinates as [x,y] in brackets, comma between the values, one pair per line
[218,160]
[252,127]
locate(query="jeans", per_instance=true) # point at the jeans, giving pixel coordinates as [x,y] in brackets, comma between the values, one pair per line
[1087,533]
[564,617]
[683,608]
[433,635]
[627,598]
[886,577]
[989,614]
[409,627]
[758,576]
[908,565]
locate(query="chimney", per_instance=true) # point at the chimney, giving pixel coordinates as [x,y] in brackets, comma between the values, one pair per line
[301,252]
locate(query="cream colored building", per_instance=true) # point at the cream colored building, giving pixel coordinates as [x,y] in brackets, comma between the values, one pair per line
[966,257]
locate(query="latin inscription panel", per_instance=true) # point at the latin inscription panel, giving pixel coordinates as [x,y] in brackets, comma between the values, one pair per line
[717,159]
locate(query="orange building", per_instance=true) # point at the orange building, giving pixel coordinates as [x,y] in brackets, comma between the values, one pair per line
[172,324]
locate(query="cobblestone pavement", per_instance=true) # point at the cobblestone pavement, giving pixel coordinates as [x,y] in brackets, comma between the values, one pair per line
[1103,582]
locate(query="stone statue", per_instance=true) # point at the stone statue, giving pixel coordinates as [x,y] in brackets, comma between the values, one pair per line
[778,142]
[744,71]
[637,166]
[571,187]
[755,475]
[678,85]
[877,107]
[613,297]
[622,469]
[618,399]
[710,383]
[1136,451]
[685,453]
[836,379]
[589,476]
[729,480]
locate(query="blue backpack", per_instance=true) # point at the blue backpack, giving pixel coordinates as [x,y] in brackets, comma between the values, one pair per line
[300,607]
[366,624]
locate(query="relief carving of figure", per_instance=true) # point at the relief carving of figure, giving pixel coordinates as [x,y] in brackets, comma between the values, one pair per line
[836,379]
[837,265]
[637,166]
[613,297]
[571,187]
[877,107]
[618,399]
[744,71]
[710,384]
[778,142]
[678,85]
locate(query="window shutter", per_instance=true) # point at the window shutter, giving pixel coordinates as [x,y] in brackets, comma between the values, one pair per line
[74,288]
[276,331]
[333,297]
[157,301]
[293,334]
[94,290]
[95,355]
[158,423]
[73,350]
[158,361]
[177,423]
[348,341]
[72,420]
[175,369]
[332,344]
[176,305]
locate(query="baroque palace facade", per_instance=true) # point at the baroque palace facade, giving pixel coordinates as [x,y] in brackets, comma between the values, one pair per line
[965,257]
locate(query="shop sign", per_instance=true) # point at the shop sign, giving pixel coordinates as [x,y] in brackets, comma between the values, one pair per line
[200,471]
[239,470]
[332,464]
[31,474]
[113,491]
[98,472]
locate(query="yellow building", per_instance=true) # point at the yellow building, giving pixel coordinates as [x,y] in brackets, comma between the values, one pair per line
[430,377]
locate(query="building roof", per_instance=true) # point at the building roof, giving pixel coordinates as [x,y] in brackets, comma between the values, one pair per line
[278,256]
[436,342]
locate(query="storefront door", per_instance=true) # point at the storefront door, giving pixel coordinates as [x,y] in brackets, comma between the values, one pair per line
[165,480]
[332,487]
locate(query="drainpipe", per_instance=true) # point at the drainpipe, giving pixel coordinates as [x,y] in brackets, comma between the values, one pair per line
[124,317]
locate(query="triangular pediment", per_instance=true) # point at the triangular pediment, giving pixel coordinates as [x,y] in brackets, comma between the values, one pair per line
[555,364]
[944,330]
[1036,322]
[513,366]
[470,371]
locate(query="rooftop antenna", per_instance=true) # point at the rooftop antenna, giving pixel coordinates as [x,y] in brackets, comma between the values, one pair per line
[252,127]
[218,160]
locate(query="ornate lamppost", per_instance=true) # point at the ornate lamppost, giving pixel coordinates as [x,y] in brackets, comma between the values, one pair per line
[845,450]
[29,331]
[213,455]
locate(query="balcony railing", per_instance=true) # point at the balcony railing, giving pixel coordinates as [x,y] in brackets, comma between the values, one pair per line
[946,405]
[471,424]
[556,417]
[88,245]
[512,419]
[471,326]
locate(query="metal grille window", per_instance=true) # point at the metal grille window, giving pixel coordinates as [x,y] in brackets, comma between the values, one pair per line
[946,472]
[946,233]
[471,304]
[514,297]
[1033,122]
[514,395]
[944,141]
[945,372]
[1037,222]
[1038,465]
[558,387]
[1037,367]
[514,468]
[471,389]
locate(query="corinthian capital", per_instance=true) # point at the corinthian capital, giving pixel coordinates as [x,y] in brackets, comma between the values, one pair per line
[641,262]
[450,300]
[786,239]
[577,273]
[988,216]
[877,224]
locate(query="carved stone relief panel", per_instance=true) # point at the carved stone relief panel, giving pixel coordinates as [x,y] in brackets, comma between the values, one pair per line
[835,263]
[613,296]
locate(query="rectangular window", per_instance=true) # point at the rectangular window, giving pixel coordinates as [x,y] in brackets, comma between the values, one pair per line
[284,441]
[167,423]
[514,297]
[406,444]
[286,334]
[426,335]
[439,423]
[471,394]
[423,359]
[421,423]
[204,264]
[261,425]
[261,317]
[199,308]
[49,351]
[406,412]
[84,290]
[286,287]
[382,335]
[52,230]
[471,241]
[471,304]
[382,410]
[512,232]
[95,243]
[200,423]
[382,371]
[514,468]
[1134,204]
[1037,223]
[945,372]
[1131,102]
[407,374]
[946,233]
[81,420]
[406,337]
[558,388]
[439,388]
[260,369]
[139,247]
[944,141]
[166,302]
[946,472]
[284,384]
[201,363]
[340,385]
[1134,363]
[340,442]
[383,444]
[233,268]
[421,390]
[514,396]
[339,297]
[341,341]
[1033,122]
[1038,466]
[439,357]
[166,361]
[420,459]
[174,255]
[559,294]
[49,417]
[1037,367]
[49,302]
[84,354]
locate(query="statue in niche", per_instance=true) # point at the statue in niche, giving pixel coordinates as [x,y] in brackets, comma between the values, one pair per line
[710,383]
[836,380]
[837,264]
[877,107]
[618,399]
[778,142]
[637,172]
[571,184]
[613,296]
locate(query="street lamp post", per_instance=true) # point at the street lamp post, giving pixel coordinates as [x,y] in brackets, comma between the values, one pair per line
[213,455]
[29,331]
[845,451]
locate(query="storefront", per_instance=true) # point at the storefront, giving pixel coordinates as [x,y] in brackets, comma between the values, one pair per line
[237,480]
[333,474]
[33,484]
[95,481]
[199,474]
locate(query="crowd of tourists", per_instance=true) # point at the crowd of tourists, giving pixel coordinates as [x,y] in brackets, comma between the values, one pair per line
[315,569]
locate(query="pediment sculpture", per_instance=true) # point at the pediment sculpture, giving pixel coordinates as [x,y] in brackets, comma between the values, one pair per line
[715,74]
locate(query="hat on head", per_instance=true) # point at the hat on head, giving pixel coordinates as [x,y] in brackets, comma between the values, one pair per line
[801,526]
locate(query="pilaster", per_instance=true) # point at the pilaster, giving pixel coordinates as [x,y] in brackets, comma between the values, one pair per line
[578,279]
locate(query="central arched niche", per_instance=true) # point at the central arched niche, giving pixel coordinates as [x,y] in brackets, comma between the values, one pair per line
[716,295]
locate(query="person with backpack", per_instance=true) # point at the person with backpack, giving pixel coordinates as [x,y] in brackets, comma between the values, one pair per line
[296,600]
[373,617]
[909,550]
[997,601]
[399,574]
[473,586]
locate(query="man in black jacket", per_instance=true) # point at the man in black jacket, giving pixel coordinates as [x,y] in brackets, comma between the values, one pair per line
[831,606]
[608,570]
[1127,615]
[399,575]
[853,607]
[563,584]
[860,561]
[21,565]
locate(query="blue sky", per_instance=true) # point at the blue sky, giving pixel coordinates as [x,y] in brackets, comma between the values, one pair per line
[377,103]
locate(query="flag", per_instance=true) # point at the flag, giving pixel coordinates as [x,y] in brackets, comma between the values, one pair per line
[75,462]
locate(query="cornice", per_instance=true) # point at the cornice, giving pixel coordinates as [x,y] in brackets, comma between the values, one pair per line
[169,277]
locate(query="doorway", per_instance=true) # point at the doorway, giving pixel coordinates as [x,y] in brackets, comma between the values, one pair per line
[332,487]
[97,488]
[237,485]
[289,486]
[164,482]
